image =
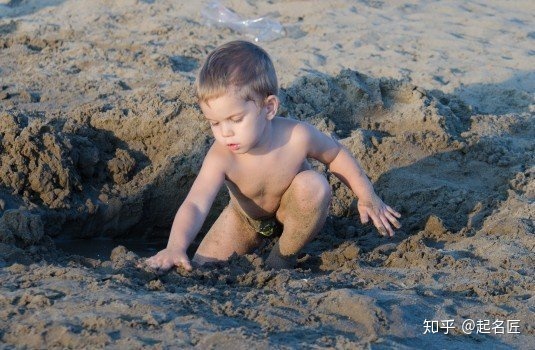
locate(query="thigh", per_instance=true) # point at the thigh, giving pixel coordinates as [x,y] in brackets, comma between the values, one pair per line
[228,235]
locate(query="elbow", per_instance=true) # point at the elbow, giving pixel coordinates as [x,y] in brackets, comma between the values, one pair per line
[333,155]
[190,208]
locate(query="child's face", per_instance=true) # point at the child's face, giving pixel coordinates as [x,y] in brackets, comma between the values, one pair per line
[236,123]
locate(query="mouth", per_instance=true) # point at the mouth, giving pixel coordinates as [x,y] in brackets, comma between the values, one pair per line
[234,146]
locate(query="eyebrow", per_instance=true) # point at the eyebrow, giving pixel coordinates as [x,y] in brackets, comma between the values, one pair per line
[239,114]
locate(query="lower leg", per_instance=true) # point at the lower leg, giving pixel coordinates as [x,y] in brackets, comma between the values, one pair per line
[228,235]
[303,211]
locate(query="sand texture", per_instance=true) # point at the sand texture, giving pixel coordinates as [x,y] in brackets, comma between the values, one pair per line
[101,138]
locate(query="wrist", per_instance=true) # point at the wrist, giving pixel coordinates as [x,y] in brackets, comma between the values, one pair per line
[367,195]
[177,248]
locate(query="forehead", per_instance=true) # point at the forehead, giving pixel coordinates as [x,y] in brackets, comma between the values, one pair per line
[227,104]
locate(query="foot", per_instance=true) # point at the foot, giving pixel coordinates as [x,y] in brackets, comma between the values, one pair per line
[278,261]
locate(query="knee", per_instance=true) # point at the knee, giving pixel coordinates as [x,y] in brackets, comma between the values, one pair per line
[311,190]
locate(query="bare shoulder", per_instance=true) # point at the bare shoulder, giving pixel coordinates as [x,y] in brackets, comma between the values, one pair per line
[296,130]
[316,144]
[217,158]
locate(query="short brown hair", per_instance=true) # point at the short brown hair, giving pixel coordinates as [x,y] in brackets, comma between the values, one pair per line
[239,65]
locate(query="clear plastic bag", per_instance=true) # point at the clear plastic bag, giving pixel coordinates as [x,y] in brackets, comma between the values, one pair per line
[258,29]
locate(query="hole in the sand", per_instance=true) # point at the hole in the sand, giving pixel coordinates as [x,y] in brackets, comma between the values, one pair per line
[433,244]
[100,248]
[183,63]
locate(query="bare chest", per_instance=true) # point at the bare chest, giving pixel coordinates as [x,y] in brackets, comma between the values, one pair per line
[260,182]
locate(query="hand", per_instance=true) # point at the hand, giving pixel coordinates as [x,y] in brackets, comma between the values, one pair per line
[381,214]
[167,258]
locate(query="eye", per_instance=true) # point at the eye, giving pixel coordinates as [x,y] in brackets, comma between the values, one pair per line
[214,123]
[237,120]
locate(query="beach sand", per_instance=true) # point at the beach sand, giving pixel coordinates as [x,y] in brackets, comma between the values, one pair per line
[101,138]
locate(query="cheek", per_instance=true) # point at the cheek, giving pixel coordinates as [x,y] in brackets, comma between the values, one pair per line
[215,132]
[248,130]
[259,126]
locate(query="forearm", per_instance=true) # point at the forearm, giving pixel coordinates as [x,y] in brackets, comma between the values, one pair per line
[186,225]
[345,167]
[370,206]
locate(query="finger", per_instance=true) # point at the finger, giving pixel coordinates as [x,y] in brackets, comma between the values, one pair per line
[187,266]
[379,225]
[364,217]
[382,231]
[156,264]
[152,260]
[151,263]
[393,220]
[166,265]
[398,215]
[386,225]
[184,263]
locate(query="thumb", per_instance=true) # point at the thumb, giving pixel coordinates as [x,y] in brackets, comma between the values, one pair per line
[185,263]
[364,217]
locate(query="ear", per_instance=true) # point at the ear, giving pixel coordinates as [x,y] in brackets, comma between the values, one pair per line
[271,103]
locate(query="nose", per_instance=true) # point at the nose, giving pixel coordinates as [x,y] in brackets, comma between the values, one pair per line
[226,130]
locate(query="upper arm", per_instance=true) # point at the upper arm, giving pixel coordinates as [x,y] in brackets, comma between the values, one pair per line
[319,146]
[208,182]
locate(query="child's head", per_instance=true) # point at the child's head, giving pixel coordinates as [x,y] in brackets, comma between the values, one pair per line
[240,67]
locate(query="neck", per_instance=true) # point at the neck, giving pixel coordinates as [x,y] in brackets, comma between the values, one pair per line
[265,143]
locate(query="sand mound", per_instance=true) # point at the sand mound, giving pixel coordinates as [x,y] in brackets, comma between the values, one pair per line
[93,168]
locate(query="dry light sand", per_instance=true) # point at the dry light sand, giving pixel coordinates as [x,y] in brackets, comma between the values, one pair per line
[101,138]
